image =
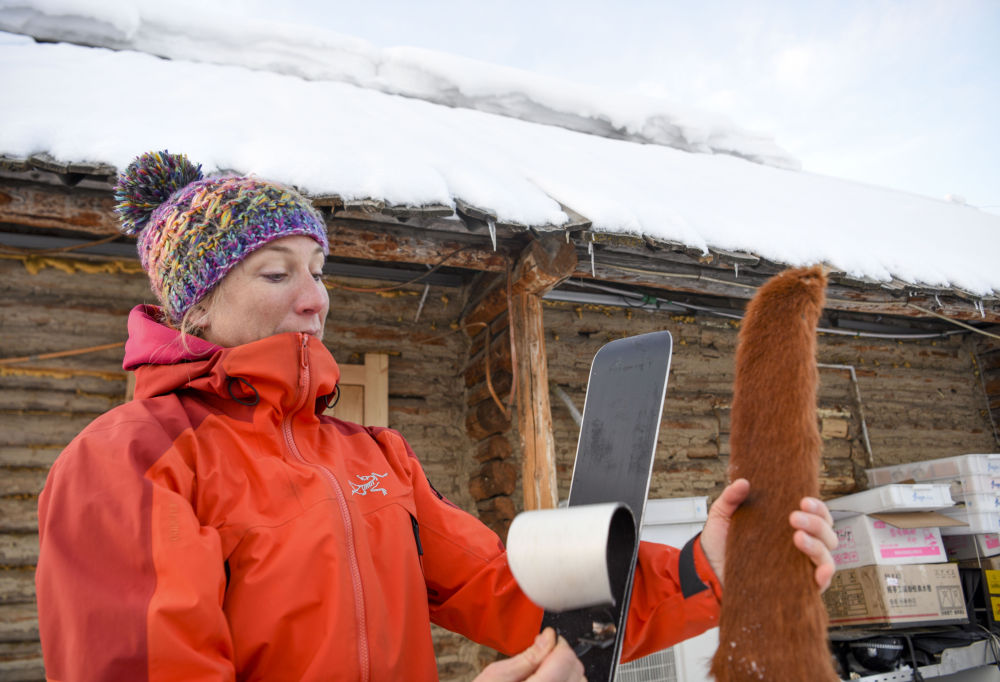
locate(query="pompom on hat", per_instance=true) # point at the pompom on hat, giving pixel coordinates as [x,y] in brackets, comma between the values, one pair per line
[193,230]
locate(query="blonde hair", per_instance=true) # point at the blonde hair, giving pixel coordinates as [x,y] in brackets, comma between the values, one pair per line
[186,326]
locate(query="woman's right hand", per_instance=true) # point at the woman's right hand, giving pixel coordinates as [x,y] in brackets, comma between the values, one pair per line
[549,659]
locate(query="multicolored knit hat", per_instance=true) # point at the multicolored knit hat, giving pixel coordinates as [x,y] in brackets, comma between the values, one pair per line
[193,230]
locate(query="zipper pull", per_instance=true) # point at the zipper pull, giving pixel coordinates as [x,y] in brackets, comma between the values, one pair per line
[303,359]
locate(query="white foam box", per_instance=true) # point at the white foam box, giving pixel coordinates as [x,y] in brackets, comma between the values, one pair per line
[896,596]
[956,468]
[972,521]
[895,497]
[889,539]
[971,546]
[673,521]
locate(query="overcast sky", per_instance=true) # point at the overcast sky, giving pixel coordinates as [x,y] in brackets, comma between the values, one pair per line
[896,93]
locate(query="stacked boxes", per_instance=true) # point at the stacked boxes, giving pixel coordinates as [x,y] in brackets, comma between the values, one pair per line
[891,560]
[891,525]
[974,482]
[895,596]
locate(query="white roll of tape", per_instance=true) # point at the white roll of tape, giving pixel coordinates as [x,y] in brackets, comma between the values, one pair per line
[560,557]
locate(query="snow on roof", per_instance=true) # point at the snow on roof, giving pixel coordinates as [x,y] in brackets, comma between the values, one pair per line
[171,30]
[99,105]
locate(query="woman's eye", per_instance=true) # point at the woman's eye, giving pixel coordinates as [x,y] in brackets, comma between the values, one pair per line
[274,276]
[318,276]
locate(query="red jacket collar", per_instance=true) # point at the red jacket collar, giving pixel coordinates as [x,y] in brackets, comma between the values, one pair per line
[278,367]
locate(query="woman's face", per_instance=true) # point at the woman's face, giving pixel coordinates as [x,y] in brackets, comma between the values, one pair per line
[277,288]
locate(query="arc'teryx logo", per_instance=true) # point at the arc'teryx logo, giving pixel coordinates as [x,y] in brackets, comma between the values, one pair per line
[368,484]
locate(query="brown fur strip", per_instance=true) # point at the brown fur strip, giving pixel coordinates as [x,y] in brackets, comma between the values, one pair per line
[774,625]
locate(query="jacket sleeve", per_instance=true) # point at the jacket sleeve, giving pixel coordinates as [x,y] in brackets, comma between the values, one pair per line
[129,584]
[472,590]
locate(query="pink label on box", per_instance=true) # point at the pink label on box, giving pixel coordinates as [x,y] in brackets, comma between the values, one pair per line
[991,540]
[900,552]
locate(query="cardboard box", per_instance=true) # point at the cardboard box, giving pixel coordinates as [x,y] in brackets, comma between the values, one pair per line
[960,547]
[895,596]
[889,539]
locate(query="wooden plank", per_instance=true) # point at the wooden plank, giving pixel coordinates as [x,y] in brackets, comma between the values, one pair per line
[351,405]
[376,389]
[352,375]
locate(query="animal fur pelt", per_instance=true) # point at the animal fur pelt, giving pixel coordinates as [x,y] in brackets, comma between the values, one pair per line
[774,625]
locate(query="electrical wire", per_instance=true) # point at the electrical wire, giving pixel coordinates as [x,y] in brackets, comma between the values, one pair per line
[62,353]
[704,278]
[6,248]
[648,300]
[953,321]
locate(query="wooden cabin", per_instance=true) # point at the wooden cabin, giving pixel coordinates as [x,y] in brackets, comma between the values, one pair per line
[68,282]
[472,333]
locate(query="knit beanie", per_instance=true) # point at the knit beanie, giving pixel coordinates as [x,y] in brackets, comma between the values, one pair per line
[193,230]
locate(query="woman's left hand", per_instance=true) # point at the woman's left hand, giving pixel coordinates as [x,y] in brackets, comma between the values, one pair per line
[814,535]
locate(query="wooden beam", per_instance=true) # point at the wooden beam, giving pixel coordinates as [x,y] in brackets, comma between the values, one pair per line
[91,213]
[390,244]
[542,265]
[46,206]
[848,299]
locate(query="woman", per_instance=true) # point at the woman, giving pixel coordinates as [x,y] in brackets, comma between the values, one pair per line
[205,530]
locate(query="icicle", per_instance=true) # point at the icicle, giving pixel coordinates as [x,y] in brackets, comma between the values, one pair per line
[590,250]
[937,299]
[492,224]
[736,270]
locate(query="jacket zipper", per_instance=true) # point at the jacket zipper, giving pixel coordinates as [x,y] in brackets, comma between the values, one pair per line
[345,512]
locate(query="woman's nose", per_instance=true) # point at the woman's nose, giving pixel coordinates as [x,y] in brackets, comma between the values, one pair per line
[313,296]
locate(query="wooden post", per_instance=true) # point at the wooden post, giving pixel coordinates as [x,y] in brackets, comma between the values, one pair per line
[542,265]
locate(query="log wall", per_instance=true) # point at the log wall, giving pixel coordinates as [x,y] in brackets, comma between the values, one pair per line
[919,399]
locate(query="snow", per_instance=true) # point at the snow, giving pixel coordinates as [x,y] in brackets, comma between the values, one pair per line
[327,136]
[180,30]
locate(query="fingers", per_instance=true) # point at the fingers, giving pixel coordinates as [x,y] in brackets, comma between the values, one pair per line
[731,498]
[548,659]
[713,536]
[814,536]
[561,665]
[522,666]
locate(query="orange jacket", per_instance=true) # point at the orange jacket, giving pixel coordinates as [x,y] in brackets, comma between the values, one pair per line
[218,527]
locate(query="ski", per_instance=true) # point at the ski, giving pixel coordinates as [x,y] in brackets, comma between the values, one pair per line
[614,462]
